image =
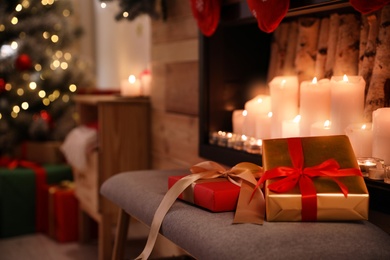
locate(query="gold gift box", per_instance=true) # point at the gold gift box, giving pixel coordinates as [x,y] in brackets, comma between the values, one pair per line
[331,203]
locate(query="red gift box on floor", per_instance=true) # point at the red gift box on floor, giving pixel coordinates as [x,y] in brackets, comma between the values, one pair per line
[63,213]
[217,195]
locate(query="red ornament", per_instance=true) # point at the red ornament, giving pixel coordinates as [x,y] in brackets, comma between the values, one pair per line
[2,85]
[366,7]
[206,13]
[23,62]
[268,13]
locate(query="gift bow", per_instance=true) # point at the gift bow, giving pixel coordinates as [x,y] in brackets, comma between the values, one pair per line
[303,176]
[243,175]
[14,163]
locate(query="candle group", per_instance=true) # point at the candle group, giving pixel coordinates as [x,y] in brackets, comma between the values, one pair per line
[381,134]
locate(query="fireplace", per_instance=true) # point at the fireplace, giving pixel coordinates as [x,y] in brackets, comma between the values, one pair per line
[234,64]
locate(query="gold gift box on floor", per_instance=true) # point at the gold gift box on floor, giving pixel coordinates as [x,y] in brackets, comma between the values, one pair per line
[331,203]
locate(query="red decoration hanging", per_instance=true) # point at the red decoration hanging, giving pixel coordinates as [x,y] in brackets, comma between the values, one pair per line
[2,85]
[269,13]
[366,7]
[23,62]
[207,14]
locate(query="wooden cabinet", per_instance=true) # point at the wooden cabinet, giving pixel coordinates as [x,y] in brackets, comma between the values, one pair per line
[123,145]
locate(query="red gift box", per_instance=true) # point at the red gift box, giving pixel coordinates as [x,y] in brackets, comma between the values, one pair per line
[217,195]
[63,213]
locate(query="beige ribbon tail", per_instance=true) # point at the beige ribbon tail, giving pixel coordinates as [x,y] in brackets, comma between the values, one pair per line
[167,202]
[249,211]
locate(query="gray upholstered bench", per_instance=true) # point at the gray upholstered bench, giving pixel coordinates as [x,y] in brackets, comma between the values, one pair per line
[207,235]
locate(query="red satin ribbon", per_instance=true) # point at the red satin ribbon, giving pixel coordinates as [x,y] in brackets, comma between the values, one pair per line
[40,182]
[298,174]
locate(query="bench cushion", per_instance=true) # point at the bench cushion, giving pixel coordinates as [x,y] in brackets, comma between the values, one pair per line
[207,235]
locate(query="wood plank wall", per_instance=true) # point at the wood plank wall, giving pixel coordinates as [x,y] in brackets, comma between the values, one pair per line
[175,88]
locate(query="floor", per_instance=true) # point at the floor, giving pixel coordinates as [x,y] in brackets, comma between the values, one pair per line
[41,247]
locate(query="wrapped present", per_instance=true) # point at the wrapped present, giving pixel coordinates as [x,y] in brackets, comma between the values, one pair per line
[47,152]
[23,208]
[63,213]
[313,178]
[217,195]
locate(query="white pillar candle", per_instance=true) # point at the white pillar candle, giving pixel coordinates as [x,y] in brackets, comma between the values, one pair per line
[381,134]
[347,101]
[314,103]
[238,117]
[290,128]
[360,136]
[284,101]
[261,104]
[321,128]
[263,126]
[130,87]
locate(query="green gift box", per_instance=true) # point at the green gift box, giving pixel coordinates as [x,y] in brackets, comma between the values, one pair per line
[18,197]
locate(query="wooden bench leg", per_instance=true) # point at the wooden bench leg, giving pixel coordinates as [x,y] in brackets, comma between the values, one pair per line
[121,235]
[105,237]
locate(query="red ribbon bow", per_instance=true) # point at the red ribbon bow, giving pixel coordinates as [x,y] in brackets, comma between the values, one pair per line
[298,174]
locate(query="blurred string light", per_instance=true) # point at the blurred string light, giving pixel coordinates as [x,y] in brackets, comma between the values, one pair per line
[14,45]
[25,105]
[32,85]
[1,116]
[46,101]
[66,13]
[54,38]
[47,2]
[125,14]
[18,8]
[72,87]
[46,35]
[26,4]
[2,27]
[6,51]
[103,5]
[38,67]
[42,94]
[20,92]
[65,98]
[14,20]
[8,86]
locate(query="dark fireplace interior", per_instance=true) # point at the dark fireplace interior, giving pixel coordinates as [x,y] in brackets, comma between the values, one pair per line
[233,68]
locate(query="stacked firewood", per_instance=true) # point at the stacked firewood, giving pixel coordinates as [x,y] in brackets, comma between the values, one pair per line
[335,45]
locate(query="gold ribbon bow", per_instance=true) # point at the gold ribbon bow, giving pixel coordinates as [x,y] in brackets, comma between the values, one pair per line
[243,174]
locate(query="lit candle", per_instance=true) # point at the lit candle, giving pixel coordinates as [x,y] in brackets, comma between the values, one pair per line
[239,144]
[381,134]
[238,117]
[321,128]
[131,87]
[290,128]
[347,101]
[367,163]
[255,107]
[360,136]
[253,146]
[314,103]
[263,126]
[284,101]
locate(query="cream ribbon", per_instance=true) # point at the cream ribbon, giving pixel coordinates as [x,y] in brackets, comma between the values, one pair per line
[243,174]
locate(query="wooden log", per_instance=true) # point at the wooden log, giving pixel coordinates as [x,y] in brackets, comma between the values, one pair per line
[364,28]
[378,93]
[273,56]
[347,49]
[334,24]
[281,42]
[306,48]
[289,66]
[368,58]
[322,49]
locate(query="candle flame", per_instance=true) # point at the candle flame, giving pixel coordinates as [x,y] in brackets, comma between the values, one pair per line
[345,78]
[244,138]
[269,114]
[260,100]
[297,119]
[327,124]
[132,79]
[244,113]
[314,81]
[283,83]
[364,127]
[259,142]
[229,135]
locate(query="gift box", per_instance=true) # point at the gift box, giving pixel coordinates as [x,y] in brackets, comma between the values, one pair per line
[216,195]
[47,152]
[62,213]
[316,188]
[22,206]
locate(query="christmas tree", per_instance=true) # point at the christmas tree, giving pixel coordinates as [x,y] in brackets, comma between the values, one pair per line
[38,71]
